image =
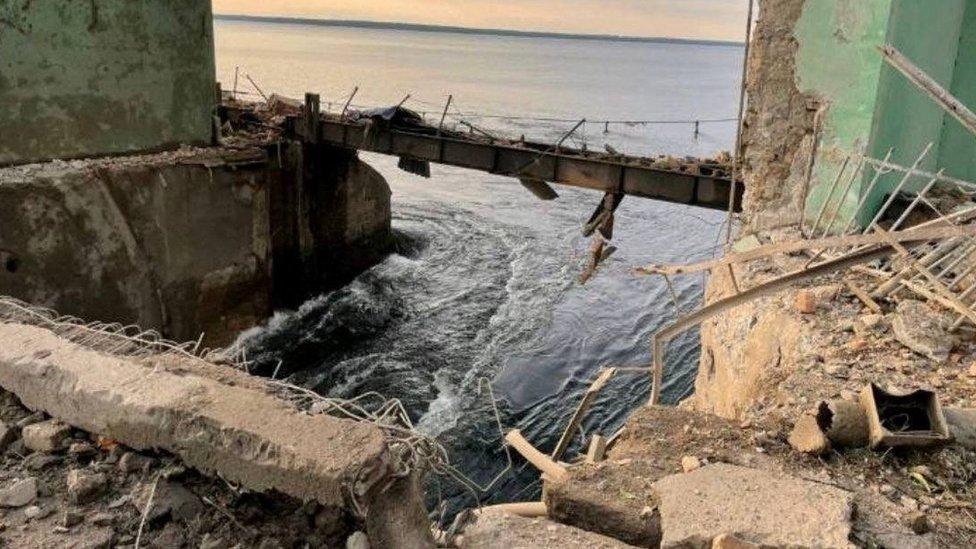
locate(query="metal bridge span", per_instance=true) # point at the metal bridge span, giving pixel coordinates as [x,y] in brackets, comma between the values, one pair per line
[685,181]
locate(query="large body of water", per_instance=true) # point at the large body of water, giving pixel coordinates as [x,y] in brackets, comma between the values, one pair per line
[485,286]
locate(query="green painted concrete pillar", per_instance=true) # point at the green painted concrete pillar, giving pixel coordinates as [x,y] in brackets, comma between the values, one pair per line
[98,77]
[838,63]
[868,107]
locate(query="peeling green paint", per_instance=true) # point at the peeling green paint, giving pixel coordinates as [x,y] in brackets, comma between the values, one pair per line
[958,151]
[837,62]
[104,76]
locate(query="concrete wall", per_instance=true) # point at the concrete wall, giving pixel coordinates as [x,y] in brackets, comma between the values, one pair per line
[838,63]
[906,120]
[957,153]
[88,78]
[823,55]
[191,242]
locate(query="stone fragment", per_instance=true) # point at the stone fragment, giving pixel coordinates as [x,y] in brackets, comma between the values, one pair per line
[171,501]
[103,519]
[200,412]
[38,462]
[613,500]
[37,513]
[171,537]
[71,517]
[96,539]
[211,541]
[47,436]
[357,540]
[807,437]
[690,463]
[81,449]
[36,417]
[806,302]
[728,541]
[8,434]
[500,530]
[19,493]
[962,425]
[131,462]
[765,507]
[872,324]
[84,487]
[844,422]
[917,327]
[919,523]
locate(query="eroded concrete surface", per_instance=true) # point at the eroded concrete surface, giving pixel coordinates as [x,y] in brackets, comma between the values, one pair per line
[230,424]
[197,241]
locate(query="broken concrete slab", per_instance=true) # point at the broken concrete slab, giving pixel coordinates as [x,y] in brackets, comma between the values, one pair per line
[204,414]
[920,329]
[760,507]
[505,531]
[612,499]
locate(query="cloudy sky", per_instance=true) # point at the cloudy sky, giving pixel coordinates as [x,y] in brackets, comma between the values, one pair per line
[716,19]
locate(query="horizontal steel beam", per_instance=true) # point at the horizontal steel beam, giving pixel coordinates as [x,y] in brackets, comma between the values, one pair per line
[692,183]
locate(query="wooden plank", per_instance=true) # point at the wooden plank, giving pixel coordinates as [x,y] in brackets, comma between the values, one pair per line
[793,246]
[948,102]
[555,472]
[598,449]
[864,297]
[528,509]
[588,397]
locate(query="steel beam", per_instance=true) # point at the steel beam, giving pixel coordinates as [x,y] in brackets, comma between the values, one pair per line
[691,183]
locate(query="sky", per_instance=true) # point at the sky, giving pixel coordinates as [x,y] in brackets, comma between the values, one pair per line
[703,19]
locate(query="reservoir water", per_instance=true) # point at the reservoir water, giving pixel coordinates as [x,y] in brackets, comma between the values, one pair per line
[484,284]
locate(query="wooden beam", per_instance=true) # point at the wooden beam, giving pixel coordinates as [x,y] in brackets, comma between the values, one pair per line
[555,472]
[933,89]
[588,397]
[598,449]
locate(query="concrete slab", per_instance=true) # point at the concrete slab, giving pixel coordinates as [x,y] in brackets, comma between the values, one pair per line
[504,531]
[761,507]
[215,419]
[613,499]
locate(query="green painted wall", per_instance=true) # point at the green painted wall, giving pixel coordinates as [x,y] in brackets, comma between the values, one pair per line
[958,151]
[838,63]
[95,77]
[870,107]
[907,120]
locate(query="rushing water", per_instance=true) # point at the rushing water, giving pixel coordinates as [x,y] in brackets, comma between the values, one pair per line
[484,283]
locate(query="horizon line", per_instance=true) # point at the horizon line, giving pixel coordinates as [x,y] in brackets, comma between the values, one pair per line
[421,27]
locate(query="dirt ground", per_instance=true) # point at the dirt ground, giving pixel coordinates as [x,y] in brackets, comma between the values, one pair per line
[93,494]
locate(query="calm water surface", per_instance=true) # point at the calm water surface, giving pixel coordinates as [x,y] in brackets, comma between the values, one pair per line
[485,284]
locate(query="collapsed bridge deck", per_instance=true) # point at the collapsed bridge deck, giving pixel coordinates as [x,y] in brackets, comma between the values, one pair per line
[696,182]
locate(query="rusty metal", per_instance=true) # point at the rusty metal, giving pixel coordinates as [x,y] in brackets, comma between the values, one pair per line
[693,183]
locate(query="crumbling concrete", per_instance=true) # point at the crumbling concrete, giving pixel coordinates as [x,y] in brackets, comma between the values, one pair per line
[919,328]
[778,132]
[757,506]
[198,241]
[612,499]
[504,531]
[228,425]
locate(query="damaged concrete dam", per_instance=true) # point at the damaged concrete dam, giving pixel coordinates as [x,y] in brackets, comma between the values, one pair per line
[247,315]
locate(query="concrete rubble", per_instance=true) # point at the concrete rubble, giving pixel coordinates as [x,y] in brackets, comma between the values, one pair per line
[205,416]
[758,506]
[919,328]
[500,530]
[171,405]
